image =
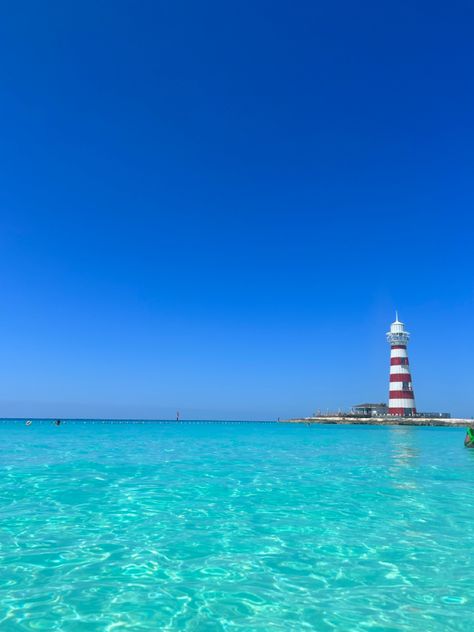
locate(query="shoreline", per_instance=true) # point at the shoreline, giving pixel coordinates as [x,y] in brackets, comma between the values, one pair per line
[383,421]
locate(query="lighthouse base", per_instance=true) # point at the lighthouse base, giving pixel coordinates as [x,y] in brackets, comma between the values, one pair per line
[402,412]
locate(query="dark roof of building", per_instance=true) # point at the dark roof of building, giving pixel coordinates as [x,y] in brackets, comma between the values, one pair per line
[369,405]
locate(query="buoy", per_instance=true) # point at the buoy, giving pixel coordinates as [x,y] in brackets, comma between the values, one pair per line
[28,422]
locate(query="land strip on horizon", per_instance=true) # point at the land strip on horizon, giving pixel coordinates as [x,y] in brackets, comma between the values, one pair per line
[383,421]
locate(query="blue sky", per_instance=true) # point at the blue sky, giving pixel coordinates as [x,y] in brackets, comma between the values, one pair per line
[216,207]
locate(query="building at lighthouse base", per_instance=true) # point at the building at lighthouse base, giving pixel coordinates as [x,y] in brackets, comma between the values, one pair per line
[382,410]
[370,410]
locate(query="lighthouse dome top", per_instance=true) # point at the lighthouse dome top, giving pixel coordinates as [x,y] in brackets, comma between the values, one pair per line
[397,333]
[397,327]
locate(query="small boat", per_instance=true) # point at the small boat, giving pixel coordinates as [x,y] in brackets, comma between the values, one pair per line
[469,439]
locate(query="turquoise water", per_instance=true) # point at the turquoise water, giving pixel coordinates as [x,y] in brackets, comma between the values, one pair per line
[235,527]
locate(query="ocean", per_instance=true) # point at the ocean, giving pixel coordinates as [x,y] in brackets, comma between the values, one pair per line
[235,527]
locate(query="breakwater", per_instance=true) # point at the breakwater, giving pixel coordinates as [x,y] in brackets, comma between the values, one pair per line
[383,421]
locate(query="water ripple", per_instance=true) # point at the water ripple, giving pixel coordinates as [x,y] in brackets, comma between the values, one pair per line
[235,528]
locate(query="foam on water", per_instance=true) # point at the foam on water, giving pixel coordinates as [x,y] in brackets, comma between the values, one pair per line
[235,527]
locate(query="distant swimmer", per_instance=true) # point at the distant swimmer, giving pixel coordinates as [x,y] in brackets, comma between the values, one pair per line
[57,422]
[28,422]
[469,438]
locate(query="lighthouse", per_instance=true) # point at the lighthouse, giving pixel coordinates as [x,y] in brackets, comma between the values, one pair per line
[401,397]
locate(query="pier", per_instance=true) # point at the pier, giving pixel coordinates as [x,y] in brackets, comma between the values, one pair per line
[165,422]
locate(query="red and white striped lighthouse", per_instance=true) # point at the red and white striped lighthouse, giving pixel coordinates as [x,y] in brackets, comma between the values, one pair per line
[401,397]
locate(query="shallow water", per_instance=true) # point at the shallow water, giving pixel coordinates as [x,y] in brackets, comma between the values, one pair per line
[235,527]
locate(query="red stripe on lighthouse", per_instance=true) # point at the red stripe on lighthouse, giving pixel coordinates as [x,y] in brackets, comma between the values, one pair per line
[401,395]
[398,361]
[400,377]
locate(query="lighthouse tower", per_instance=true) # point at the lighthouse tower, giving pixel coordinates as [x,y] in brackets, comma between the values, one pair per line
[401,397]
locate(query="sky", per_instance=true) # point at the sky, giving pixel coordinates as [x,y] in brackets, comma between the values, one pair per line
[216,207]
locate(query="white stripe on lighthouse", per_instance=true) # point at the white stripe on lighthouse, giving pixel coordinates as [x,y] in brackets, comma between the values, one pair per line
[398,353]
[401,403]
[398,386]
[396,369]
